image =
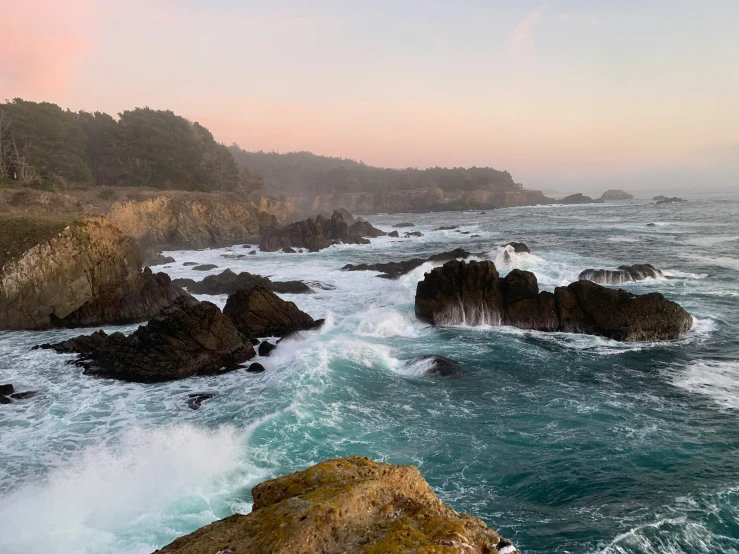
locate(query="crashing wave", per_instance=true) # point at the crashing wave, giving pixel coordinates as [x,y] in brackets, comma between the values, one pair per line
[624,274]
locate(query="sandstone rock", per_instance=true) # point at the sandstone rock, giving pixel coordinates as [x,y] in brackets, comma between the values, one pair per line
[435,364]
[87,273]
[258,312]
[346,505]
[624,274]
[393,270]
[616,194]
[188,338]
[228,282]
[473,293]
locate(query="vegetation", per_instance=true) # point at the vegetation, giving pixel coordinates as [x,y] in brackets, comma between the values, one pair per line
[19,233]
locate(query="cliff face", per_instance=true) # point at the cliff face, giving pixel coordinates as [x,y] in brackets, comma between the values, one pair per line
[87,273]
[346,505]
[195,221]
[417,200]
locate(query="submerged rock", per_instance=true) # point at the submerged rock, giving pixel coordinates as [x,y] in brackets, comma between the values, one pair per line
[195,400]
[666,200]
[435,364]
[23,395]
[4,399]
[317,234]
[346,505]
[188,338]
[393,270]
[624,274]
[228,282]
[519,247]
[401,225]
[447,228]
[413,234]
[473,293]
[259,312]
[205,267]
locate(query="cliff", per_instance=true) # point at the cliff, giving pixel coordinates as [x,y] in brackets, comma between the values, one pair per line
[68,270]
[341,506]
[417,200]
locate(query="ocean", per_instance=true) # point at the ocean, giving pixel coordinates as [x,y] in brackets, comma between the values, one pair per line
[563,443]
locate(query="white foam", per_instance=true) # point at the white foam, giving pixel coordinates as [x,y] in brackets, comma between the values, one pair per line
[506,257]
[718,380]
[382,322]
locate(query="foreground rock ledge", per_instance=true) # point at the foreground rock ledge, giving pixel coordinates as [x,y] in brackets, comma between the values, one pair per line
[345,505]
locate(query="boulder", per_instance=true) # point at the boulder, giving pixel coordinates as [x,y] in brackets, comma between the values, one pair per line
[393,234]
[6,390]
[266,348]
[393,270]
[258,312]
[519,247]
[413,234]
[228,282]
[579,198]
[256,367]
[205,267]
[473,293]
[624,274]
[288,250]
[188,338]
[666,200]
[68,272]
[435,364]
[159,259]
[346,505]
[616,194]
[186,264]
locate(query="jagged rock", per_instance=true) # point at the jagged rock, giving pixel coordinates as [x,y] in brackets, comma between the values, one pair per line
[266,348]
[5,390]
[188,338]
[413,234]
[393,270]
[435,364]
[624,274]
[346,505]
[616,194]
[259,312]
[666,200]
[317,234]
[519,247]
[205,267]
[228,282]
[393,234]
[76,272]
[256,367]
[473,293]
[401,225]
[195,400]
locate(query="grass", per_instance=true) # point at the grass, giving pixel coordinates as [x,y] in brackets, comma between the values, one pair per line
[19,233]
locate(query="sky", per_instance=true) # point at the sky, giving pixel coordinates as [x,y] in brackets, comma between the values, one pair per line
[564,94]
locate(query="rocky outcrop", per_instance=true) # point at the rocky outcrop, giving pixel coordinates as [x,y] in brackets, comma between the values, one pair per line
[473,293]
[316,234]
[519,247]
[417,201]
[258,312]
[667,200]
[393,270]
[229,282]
[346,505]
[624,274]
[188,338]
[86,273]
[434,364]
[616,194]
[579,198]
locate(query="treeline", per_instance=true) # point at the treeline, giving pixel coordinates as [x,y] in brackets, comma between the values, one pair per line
[42,143]
[299,173]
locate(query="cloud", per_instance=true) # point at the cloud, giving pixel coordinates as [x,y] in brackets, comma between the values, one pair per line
[41,42]
[521,42]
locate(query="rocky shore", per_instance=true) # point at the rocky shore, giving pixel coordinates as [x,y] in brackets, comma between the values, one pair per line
[345,505]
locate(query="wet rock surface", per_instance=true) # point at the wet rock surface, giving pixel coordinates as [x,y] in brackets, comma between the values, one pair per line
[624,274]
[435,364]
[393,270]
[228,282]
[346,505]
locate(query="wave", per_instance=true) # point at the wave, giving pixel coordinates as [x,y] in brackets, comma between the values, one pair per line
[505,257]
[384,323]
[718,380]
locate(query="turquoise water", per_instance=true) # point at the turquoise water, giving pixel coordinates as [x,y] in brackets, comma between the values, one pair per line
[563,443]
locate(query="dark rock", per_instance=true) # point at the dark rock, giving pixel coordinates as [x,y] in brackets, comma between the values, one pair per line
[624,274]
[616,194]
[465,232]
[288,250]
[317,234]
[256,367]
[4,399]
[233,256]
[447,228]
[189,263]
[519,247]
[266,348]
[259,312]
[400,225]
[253,253]
[666,200]
[434,364]
[205,267]
[413,234]
[483,213]
[579,198]
[319,285]
[188,338]
[23,395]
[246,246]
[473,293]
[5,390]
[474,236]
[651,225]
[291,287]
[228,282]
[195,400]
[254,342]
[159,259]
[393,270]
[393,234]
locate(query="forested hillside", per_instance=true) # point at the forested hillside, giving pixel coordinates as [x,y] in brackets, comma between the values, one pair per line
[299,173]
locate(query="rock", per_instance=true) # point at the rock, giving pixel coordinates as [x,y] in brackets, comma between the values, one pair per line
[393,270]
[233,256]
[205,267]
[624,274]
[23,395]
[346,505]
[253,253]
[616,194]
[266,348]
[434,364]
[666,200]
[393,234]
[256,367]
[5,390]
[473,293]
[413,234]
[4,399]
[288,250]
[159,259]
[188,338]
[190,263]
[317,234]
[259,312]
[320,285]
[400,225]
[651,224]
[195,400]
[579,198]
[76,272]
[474,236]
[228,282]
[465,232]
[519,247]
[447,228]
[247,246]
[254,342]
